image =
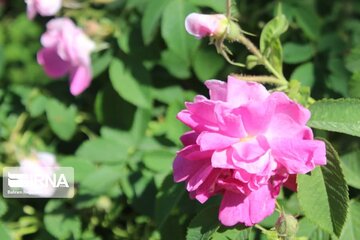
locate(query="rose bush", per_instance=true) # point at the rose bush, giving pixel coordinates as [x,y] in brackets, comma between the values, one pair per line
[131,66]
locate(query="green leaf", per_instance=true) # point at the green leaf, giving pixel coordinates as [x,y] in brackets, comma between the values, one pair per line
[61,119]
[3,207]
[354,85]
[177,66]
[132,82]
[103,151]
[341,115]
[218,6]
[270,45]
[100,181]
[169,94]
[4,232]
[101,62]
[82,167]
[351,165]
[353,60]
[308,20]
[238,233]
[167,199]
[151,18]
[174,127]
[207,63]
[159,160]
[61,222]
[173,29]
[351,230]
[204,224]
[323,195]
[304,74]
[338,80]
[297,53]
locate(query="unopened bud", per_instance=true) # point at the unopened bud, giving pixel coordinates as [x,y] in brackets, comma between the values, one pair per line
[206,25]
[286,225]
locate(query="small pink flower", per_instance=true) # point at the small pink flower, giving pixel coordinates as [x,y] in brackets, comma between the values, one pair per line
[244,144]
[204,25]
[66,50]
[43,7]
[42,164]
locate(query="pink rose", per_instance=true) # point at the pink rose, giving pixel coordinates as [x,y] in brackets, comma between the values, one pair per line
[41,164]
[204,25]
[42,7]
[244,144]
[66,50]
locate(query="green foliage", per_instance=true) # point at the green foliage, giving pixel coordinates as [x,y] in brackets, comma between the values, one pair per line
[270,45]
[62,120]
[131,81]
[336,115]
[351,166]
[329,209]
[351,229]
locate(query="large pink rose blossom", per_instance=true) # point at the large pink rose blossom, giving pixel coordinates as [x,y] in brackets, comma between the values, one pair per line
[42,7]
[244,144]
[66,50]
[205,25]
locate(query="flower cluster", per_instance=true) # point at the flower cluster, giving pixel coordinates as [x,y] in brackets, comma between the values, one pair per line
[245,143]
[66,48]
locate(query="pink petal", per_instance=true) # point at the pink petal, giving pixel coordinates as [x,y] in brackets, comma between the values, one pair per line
[222,159]
[256,117]
[284,105]
[199,116]
[53,65]
[283,126]
[250,210]
[199,177]
[189,138]
[230,122]
[207,188]
[217,89]
[299,156]
[214,141]
[242,92]
[184,168]
[80,79]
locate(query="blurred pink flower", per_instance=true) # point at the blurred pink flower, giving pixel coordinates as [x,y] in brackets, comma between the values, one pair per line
[66,50]
[42,7]
[205,25]
[40,164]
[244,144]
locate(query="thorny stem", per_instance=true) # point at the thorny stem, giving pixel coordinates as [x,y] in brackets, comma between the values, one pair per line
[228,9]
[259,79]
[254,50]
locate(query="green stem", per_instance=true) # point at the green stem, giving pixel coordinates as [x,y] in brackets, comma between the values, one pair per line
[254,50]
[228,9]
[261,228]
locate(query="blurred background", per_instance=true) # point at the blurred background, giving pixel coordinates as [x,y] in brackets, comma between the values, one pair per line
[121,134]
